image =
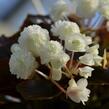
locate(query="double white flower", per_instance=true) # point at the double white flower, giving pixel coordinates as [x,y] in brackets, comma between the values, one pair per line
[86,71]
[53,53]
[22,63]
[76,43]
[33,38]
[50,51]
[64,29]
[70,33]
[86,8]
[59,10]
[60,60]
[78,92]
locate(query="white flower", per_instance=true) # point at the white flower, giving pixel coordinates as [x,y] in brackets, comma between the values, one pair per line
[56,74]
[15,47]
[33,38]
[86,71]
[78,92]
[104,7]
[90,59]
[87,8]
[87,59]
[87,39]
[60,60]
[50,51]
[104,10]
[93,50]
[98,59]
[22,64]
[64,29]
[59,10]
[76,43]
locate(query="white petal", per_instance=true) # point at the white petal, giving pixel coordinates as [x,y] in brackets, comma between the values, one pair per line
[56,74]
[87,59]
[86,71]
[72,83]
[82,83]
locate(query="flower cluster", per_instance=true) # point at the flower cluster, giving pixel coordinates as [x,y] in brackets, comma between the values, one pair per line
[35,48]
[35,42]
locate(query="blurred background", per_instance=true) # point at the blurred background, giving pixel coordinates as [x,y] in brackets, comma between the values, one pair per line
[13,13]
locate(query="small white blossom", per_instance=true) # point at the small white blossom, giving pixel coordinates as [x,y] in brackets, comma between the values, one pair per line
[56,74]
[50,51]
[33,38]
[60,60]
[93,50]
[64,29]
[78,92]
[90,59]
[87,39]
[22,64]
[59,10]
[104,10]
[15,47]
[87,8]
[86,71]
[76,43]
[87,59]
[98,60]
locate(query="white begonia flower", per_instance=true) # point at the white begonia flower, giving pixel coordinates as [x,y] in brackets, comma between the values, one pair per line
[93,50]
[15,47]
[98,60]
[86,71]
[78,92]
[59,10]
[22,64]
[76,43]
[50,51]
[33,38]
[90,59]
[64,29]
[86,8]
[87,39]
[60,60]
[104,10]
[87,59]
[56,74]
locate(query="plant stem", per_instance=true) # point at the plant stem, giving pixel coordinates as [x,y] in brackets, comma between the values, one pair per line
[60,87]
[76,68]
[71,60]
[66,68]
[53,81]
[42,74]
